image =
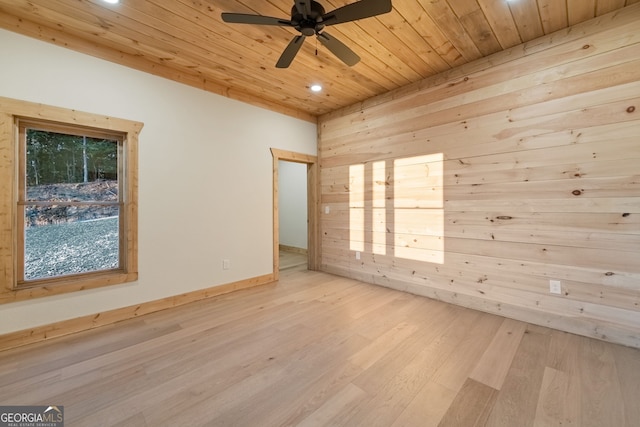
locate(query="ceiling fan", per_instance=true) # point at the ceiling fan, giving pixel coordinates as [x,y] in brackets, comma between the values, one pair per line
[309,18]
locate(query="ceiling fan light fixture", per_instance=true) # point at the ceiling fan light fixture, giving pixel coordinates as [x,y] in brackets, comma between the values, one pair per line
[316,88]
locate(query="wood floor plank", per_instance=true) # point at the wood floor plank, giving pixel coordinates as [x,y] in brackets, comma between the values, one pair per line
[495,362]
[428,407]
[325,414]
[396,379]
[316,349]
[471,407]
[628,368]
[551,409]
[564,356]
[374,351]
[601,401]
[515,405]
[476,336]
[134,421]
[318,363]
[410,355]
[317,395]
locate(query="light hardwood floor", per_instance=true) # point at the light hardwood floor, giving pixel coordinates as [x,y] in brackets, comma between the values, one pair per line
[290,259]
[316,350]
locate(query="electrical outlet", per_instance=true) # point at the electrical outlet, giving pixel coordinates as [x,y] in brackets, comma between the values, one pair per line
[357,255]
[555,287]
[327,210]
[226,264]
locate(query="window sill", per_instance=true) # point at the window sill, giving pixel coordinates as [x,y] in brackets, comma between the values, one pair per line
[42,288]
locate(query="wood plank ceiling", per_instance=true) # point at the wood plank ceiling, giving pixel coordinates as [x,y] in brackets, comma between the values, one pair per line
[186,41]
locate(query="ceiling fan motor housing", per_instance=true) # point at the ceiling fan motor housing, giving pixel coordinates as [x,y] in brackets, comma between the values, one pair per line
[310,25]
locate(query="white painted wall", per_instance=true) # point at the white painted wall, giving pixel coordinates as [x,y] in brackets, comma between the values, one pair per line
[205,190]
[292,204]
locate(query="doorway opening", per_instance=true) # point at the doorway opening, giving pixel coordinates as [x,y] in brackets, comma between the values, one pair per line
[312,251]
[292,214]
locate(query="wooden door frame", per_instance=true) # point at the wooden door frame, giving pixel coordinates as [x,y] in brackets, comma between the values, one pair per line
[313,249]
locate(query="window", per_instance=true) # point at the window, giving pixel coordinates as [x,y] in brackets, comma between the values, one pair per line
[69,200]
[71,184]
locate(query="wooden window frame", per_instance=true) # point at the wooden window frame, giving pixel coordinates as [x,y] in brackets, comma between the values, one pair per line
[12,113]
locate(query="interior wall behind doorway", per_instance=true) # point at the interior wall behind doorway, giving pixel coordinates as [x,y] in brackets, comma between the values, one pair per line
[292,202]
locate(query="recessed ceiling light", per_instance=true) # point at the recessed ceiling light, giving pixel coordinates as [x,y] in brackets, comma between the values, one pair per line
[111,1]
[316,88]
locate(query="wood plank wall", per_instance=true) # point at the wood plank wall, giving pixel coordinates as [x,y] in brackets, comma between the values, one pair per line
[479,186]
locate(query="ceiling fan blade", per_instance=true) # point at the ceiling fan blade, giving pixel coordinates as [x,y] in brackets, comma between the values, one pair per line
[290,52]
[339,49]
[358,10]
[243,18]
[304,7]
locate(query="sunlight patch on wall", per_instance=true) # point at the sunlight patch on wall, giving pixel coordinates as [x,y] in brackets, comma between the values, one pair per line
[419,208]
[356,208]
[379,202]
[401,216]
